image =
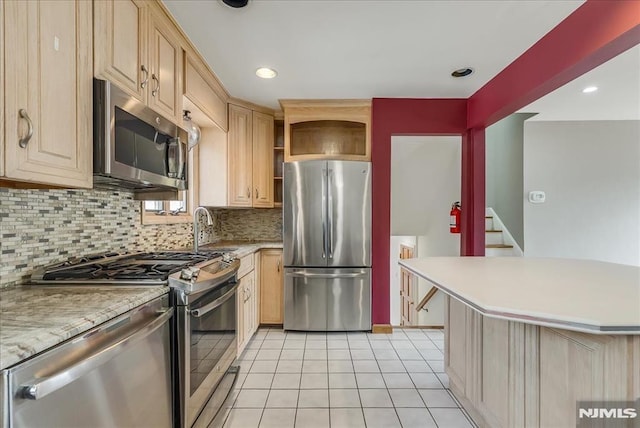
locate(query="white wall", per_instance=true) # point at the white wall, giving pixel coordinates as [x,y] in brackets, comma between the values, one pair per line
[504,163]
[425,181]
[590,172]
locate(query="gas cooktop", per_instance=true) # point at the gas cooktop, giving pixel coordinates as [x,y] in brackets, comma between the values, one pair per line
[111,267]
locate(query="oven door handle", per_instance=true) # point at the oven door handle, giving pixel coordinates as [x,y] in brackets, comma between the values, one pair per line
[197,313]
[49,384]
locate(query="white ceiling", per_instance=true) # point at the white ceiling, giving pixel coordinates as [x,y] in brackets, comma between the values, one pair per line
[363,48]
[617,97]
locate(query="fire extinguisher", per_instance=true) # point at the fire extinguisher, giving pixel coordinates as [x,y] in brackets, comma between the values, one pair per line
[454,219]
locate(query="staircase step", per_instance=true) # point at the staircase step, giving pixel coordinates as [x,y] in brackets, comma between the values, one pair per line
[498,246]
[493,231]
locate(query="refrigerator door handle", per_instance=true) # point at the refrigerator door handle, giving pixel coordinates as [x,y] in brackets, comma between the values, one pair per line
[307,274]
[330,212]
[323,214]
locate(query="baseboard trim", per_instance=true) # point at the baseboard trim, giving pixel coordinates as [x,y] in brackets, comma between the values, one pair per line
[382,328]
[433,327]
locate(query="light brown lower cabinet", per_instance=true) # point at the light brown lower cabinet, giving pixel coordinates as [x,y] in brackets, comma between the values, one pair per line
[247,302]
[271,287]
[510,374]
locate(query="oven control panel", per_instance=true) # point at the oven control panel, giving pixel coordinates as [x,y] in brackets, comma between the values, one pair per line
[205,275]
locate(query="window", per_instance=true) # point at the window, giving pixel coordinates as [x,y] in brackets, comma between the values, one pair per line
[178,211]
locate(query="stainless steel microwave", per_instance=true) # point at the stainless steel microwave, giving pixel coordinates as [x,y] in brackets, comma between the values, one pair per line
[135,147]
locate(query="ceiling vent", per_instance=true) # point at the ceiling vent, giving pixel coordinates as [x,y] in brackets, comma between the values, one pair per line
[236,3]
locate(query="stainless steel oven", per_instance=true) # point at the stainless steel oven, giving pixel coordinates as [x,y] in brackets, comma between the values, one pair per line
[206,330]
[203,296]
[206,341]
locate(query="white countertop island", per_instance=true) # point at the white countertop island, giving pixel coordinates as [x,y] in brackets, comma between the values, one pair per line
[579,295]
[527,340]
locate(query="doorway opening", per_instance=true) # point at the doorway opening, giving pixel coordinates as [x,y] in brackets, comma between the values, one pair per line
[425,181]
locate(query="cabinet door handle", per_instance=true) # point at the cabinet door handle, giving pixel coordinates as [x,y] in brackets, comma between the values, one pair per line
[278,265]
[154,92]
[25,140]
[248,192]
[143,84]
[256,193]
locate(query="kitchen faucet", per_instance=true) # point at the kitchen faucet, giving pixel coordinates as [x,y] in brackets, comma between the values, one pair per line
[195,225]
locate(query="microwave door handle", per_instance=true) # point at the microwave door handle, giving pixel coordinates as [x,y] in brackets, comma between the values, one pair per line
[182,148]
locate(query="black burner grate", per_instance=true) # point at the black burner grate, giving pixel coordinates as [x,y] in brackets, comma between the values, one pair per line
[154,266]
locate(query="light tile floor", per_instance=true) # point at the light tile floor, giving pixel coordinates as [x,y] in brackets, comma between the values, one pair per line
[343,380]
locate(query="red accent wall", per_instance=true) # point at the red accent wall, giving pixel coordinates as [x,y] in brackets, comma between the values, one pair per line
[392,116]
[593,34]
[472,237]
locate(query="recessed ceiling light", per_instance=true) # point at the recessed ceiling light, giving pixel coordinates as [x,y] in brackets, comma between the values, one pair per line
[590,89]
[266,73]
[462,72]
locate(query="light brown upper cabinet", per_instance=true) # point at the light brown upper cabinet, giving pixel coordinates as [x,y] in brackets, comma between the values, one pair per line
[47,91]
[271,287]
[205,92]
[327,129]
[240,159]
[250,158]
[262,160]
[138,48]
[165,57]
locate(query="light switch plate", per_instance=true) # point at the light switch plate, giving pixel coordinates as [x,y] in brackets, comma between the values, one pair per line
[537,197]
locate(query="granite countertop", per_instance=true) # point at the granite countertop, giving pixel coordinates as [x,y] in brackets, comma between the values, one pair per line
[580,295]
[242,248]
[33,319]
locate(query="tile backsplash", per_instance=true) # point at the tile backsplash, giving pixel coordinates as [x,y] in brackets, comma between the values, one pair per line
[249,224]
[40,227]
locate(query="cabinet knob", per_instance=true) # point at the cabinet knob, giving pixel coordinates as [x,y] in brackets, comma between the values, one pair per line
[248,192]
[143,84]
[256,193]
[25,140]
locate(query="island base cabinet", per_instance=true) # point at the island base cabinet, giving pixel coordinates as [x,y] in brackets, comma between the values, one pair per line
[510,374]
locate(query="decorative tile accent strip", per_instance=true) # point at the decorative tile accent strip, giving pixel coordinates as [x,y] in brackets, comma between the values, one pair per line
[40,227]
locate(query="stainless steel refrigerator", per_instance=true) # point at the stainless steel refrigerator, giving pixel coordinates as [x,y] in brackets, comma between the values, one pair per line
[327,245]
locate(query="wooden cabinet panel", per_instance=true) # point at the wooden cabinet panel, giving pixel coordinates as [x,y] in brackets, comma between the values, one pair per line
[574,367]
[165,62]
[240,321]
[271,287]
[199,91]
[138,48]
[240,160]
[327,129]
[456,346]
[262,160]
[120,31]
[50,79]
[2,83]
[247,309]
